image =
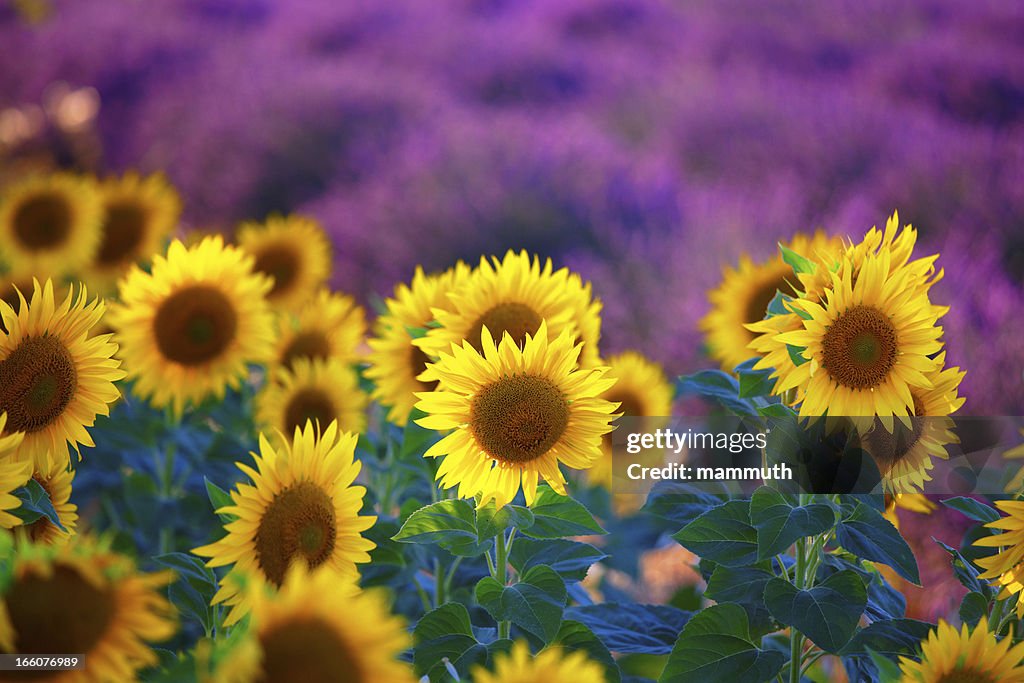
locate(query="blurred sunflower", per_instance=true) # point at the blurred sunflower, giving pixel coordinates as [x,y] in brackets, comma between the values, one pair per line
[968,655]
[319,627]
[320,391]
[55,479]
[301,504]
[85,599]
[867,346]
[329,325]
[551,664]
[743,296]
[13,475]
[293,251]
[54,377]
[139,213]
[50,223]
[515,295]
[395,362]
[1006,567]
[641,390]
[189,327]
[516,414]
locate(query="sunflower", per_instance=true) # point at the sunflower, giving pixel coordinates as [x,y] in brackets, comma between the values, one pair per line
[54,377]
[139,213]
[903,452]
[189,327]
[641,390]
[293,251]
[301,504]
[551,664]
[516,414]
[13,475]
[965,656]
[50,223]
[56,480]
[321,391]
[319,627]
[867,346]
[745,292]
[83,598]
[395,362]
[1006,567]
[515,295]
[330,325]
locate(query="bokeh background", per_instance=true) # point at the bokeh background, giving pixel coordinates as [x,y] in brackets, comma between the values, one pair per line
[645,143]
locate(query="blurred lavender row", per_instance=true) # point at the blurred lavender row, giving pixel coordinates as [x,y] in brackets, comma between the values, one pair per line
[643,142]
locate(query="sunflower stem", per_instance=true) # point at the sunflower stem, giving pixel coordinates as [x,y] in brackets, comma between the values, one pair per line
[501,576]
[795,637]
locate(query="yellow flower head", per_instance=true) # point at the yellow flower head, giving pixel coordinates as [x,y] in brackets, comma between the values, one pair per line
[515,413]
[551,664]
[320,391]
[329,325]
[291,250]
[967,656]
[1006,567]
[55,479]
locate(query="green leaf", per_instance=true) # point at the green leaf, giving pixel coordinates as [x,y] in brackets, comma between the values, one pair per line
[973,509]
[723,534]
[35,504]
[780,410]
[888,670]
[535,604]
[973,607]
[715,647]
[570,559]
[798,263]
[574,636]
[557,516]
[450,524]
[195,587]
[827,614]
[743,585]
[445,633]
[777,306]
[490,521]
[796,354]
[219,498]
[779,523]
[965,572]
[890,637]
[718,386]
[755,382]
[867,534]
[416,439]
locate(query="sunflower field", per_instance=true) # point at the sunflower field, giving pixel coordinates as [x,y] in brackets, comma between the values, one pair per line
[511,341]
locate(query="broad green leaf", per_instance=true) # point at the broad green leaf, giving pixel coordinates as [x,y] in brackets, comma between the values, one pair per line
[798,263]
[779,523]
[972,608]
[777,306]
[570,559]
[490,521]
[445,633]
[743,585]
[416,439]
[755,382]
[867,534]
[715,647]
[557,516]
[796,354]
[827,613]
[450,524]
[973,509]
[892,638]
[631,628]
[888,671]
[535,604]
[718,386]
[682,502]
[219,498]
[573,636]
[965,571]
[35,503]
[722,534]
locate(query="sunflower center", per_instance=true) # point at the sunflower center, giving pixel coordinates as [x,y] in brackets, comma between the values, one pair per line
[889,448]
[967,676]
[309,651]
[280,262]
[308,405]
[517,319]
[43,222]
[418,362]
[299,521]
[123,230]
[518,418]
[859,349]
[757,306]
[311,344]
[37,382]
[195,325]
[59,613]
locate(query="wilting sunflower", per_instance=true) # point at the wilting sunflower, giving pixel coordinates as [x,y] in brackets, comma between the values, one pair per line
[395,362]
[84,599]
[515,295]
[294,252]
[189,327]
[320,391]
[904,452]
[13,475]
[1006,567]
[641,390]
[319,627]
[745,292]
[56,480]
[867,346]
[50,223]
[139,213]
[965,656]
[330,325]
[54,377]
[551,664]
[301,505]
[517,414]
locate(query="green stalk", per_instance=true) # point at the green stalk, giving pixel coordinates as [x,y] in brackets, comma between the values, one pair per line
[795,637]
[501,567]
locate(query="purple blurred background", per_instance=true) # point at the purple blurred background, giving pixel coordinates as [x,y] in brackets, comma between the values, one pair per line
[642,142]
